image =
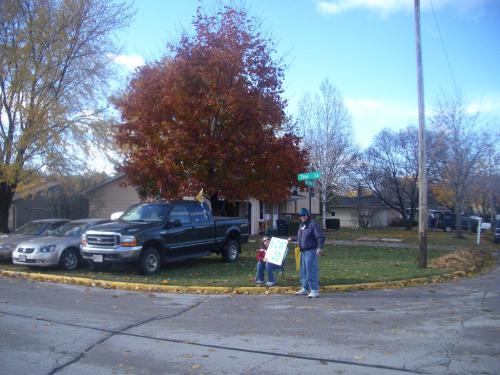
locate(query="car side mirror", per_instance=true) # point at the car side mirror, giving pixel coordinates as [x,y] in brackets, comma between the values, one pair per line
[173,223]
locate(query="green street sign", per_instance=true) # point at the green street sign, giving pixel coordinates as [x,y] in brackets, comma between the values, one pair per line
[310,182]
[314,175]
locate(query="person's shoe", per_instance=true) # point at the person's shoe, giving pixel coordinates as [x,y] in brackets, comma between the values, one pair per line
[269,284]
[259,283]
[302,292]
[313,294]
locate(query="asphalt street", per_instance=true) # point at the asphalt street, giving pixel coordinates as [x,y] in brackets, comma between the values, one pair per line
[451,328]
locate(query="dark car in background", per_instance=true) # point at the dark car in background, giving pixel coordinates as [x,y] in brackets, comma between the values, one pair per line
[28,231]
[475,220]
[447,221]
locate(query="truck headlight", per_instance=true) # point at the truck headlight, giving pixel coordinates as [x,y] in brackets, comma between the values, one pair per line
[47,249]
[128,241]
[84,240]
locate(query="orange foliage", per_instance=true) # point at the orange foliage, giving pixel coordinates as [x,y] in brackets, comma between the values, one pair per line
[210,116]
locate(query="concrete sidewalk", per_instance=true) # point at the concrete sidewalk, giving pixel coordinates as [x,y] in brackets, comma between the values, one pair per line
[388,242]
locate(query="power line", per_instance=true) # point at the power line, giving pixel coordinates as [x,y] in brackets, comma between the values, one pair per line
[443,46]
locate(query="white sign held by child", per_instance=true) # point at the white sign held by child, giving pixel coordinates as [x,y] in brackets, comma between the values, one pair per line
[276,251]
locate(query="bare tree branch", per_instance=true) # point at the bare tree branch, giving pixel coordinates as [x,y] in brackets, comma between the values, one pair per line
[54,68]
[327,135]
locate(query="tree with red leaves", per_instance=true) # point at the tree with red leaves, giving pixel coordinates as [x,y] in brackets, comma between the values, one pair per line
[210,115]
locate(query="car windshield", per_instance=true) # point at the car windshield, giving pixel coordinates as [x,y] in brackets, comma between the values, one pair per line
[32,228]
[70,230]
[148,212]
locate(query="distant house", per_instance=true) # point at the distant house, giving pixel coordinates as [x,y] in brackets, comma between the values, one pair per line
[111,195]
[46,201]
[116,194]
[355,211]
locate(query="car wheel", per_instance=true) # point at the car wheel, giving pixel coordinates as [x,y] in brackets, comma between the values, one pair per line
[69,260]
[231,251]
[150,262]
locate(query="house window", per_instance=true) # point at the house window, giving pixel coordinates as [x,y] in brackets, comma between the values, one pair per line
[333,213]
[261,210]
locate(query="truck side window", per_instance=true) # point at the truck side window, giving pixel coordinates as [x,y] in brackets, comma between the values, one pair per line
[180,213]
[198,214]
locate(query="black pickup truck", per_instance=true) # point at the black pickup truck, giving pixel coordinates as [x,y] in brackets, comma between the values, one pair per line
[150,234]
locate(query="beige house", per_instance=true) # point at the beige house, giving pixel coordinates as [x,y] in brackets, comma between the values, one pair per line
[115,194]
[111,195]
[352,210]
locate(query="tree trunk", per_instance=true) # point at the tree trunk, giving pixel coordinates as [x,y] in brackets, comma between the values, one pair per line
[6,195]
[458,229]
[408,221]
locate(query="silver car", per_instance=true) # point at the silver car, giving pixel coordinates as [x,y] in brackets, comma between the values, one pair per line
[33,229]
[60,249]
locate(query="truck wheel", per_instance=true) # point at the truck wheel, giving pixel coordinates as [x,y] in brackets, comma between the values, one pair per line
[150,262]
[69,260]
[231,251]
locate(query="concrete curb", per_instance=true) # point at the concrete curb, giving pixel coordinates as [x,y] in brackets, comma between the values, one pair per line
[139,287]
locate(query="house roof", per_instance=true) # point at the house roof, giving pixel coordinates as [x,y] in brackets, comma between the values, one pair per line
[103,183]
[38,189]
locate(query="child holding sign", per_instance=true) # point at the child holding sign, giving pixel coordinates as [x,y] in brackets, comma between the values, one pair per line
[262,264]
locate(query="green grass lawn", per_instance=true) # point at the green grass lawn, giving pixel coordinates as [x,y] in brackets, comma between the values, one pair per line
[340,264]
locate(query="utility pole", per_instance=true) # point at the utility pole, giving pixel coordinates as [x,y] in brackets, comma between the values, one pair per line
[310,190]
[422,170]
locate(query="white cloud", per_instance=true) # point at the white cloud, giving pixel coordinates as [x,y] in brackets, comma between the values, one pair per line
[374,107]
[381,6]
[484,106]
[130,62]
[386,7]
[361,106]
[370,116]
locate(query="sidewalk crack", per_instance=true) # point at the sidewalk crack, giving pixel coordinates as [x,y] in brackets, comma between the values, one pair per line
[121,331]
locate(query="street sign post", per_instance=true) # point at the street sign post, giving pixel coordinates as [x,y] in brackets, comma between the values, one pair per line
[309,178]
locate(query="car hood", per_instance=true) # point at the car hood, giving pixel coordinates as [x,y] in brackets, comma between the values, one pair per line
[124,227]
[50,240]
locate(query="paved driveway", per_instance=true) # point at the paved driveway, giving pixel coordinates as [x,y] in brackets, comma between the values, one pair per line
[451,328]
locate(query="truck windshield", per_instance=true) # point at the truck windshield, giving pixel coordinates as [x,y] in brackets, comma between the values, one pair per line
[148,212]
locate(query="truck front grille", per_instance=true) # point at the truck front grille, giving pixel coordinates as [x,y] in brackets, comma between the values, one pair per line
[103,240]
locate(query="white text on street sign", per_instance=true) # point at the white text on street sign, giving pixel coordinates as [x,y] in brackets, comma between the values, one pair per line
[309,176]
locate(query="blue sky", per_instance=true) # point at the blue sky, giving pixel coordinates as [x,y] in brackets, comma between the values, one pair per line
[365,47]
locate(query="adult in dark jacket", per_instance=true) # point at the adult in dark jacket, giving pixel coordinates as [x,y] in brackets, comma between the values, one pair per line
[311,239]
